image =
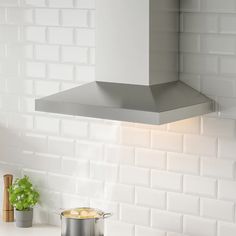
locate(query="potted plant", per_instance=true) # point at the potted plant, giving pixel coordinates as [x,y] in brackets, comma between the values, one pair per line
[23,197]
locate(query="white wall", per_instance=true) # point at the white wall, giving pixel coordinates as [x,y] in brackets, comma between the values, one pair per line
[171,180]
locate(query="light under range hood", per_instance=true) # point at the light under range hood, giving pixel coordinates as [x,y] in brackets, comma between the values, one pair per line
[137,72]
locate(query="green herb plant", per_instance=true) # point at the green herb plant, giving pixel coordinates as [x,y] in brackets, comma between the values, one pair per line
[22,194]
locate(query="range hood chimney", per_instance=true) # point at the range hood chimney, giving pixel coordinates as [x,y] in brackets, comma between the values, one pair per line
[137,75]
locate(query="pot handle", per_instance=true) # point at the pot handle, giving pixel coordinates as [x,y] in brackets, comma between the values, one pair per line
[106,215]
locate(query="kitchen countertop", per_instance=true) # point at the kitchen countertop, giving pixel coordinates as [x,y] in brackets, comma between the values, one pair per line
[9,229]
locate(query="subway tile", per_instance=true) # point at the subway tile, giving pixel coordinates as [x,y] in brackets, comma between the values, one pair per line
[200,145]
[167,141]
[85,37]
[166,221]
[119,192]
[104,172]
[89,150]
[150,198]
[104,132]
[135,137]
[85,73]
[227,148]
[74,55]
[200,23]
[61,183]
[90,188]
[89,4]
[134,175]
[183,203]
[61,3]
[74,167]
[228,229]
[35,34]
[217,209]
[47,124]
[47,17]
[215,86]
[227,190]
[183,163]
[117,228]
[129,214]
[61,146]
[74,128]
[219,127]
[35,69]
[218,44]
[119,154]
[227,23]
[199,226]
[45,88]
[47,53]
[61,72]
[199,185]
[218,5]
[150,158]
[166,180]
[35,3]
[60,35]
[200,64]
[74,17]
[217,168]
[191,125]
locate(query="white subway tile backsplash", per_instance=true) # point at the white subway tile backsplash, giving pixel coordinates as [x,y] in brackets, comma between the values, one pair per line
[61,72]
[74,54]
[119,154]
[61,146]
[47,17]
[200,23]
[60,4]
[150,198]
[166,180]
[35,34]
[172,180]
[134,175]
[183,203]
[135,215]
[197,226]
[183,163]
[135,137]
[104,172]
[227,148]
[226,229]
[140,231]
[200,145]
[60,35]
[119,192]
[199,186]
[217,168]
[167,141]
[166,221]
[219,127]
[76,18]
[227,190]
[217,209]
[150,158]
[47,53]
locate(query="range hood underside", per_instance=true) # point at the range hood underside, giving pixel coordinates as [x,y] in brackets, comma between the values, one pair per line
[156,104]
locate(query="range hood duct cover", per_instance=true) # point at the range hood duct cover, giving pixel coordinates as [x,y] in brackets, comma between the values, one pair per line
[137,76]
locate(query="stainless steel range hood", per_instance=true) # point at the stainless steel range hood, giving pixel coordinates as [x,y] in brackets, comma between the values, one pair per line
[137,75]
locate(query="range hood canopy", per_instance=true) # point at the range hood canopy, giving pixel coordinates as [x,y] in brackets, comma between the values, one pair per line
[137,52]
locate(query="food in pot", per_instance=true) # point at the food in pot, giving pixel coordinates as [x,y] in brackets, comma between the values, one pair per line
[82,213]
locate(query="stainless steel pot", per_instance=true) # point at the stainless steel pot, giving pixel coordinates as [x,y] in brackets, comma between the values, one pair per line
[74,225]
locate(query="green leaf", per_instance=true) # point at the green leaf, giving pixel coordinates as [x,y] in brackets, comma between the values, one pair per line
[22,194]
